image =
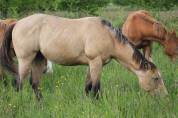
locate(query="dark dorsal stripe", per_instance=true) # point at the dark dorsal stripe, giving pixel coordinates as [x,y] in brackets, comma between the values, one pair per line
[137,56]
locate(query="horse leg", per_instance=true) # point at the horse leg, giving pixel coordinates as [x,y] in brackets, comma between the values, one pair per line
[37,71]
[88,82]
[2,74]
[49,67]
[24,67]
[95,74]
[147,52]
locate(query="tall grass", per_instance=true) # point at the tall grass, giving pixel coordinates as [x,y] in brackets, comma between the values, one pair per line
[64,97]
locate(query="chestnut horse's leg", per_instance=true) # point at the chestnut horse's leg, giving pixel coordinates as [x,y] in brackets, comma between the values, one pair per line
[37,70]
[95,66]
[147,52]
[2,74]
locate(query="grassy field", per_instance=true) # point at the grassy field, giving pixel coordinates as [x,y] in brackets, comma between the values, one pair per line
[63,91]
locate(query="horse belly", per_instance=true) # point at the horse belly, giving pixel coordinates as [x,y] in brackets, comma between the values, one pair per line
[64,52]
[64,59]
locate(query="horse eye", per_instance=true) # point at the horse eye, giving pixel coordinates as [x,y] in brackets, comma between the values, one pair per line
[156,78]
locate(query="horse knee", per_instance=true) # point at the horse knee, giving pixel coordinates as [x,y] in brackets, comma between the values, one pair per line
[23,70]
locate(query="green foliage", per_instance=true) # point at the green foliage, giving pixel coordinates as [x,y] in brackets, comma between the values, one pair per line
[11,8]
[89,6]
[155,4]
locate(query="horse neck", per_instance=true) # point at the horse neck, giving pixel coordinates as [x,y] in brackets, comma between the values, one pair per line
[131,57]
[152,30]
[159,33]
[125,53]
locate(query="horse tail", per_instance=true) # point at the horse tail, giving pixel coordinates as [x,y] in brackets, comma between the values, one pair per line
[6,59]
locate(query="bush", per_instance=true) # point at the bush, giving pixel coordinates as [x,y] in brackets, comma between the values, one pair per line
[17,7]
[89,6]
[154,4]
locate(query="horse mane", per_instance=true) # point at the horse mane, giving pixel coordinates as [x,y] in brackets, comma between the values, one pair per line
[140,59]
[118,32]
[137,56]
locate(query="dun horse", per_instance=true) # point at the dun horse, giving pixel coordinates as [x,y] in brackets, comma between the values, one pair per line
[142,29]
[86,41]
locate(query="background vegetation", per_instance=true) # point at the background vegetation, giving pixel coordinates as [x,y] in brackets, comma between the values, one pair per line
[63,91]
[15,8]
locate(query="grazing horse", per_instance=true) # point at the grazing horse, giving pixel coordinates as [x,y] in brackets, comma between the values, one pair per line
[3,26]
[142,29]
[86,41]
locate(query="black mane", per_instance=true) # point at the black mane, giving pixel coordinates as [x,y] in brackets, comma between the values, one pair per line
[118,32]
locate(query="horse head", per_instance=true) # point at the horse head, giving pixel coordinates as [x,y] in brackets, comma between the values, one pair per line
[149,76]
[150,79]
[171,45]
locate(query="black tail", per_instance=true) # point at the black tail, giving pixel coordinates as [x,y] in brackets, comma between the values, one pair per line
[6,59]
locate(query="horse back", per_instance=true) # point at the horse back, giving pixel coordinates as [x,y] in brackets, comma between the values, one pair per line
[138,25]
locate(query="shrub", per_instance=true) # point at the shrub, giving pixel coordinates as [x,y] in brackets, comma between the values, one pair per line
[17,7]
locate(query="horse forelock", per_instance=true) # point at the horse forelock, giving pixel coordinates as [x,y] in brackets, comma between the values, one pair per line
[141,60]
[119,35]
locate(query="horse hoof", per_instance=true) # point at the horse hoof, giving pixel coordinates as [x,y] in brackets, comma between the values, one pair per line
[16,85]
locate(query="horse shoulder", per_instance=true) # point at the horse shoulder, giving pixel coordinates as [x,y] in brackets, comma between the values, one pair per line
[99,42]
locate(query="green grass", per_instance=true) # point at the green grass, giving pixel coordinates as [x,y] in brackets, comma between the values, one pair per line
[64,97]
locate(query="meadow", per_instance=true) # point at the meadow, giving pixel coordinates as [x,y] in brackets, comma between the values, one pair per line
[63,91]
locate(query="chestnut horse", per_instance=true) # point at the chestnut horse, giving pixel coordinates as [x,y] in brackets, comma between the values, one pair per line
[3,26]
[86,41]
[142,29]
